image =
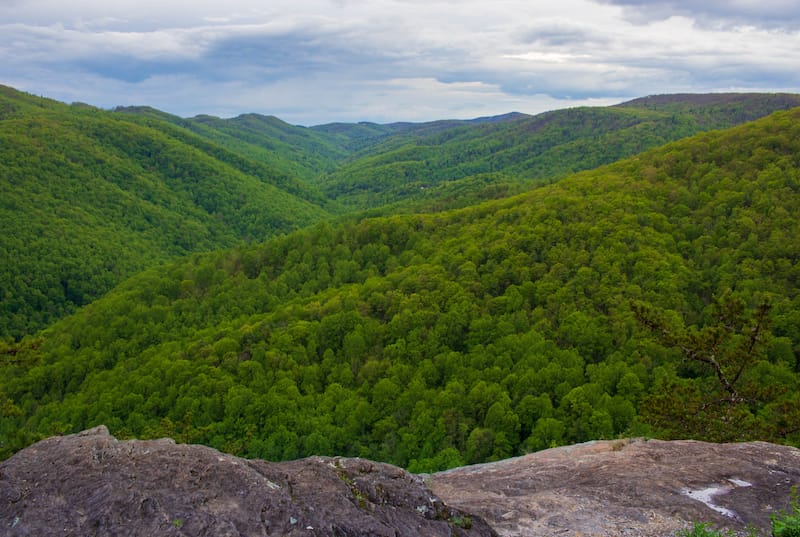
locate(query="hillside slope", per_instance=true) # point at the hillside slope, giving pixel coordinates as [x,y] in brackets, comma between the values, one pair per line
[88,198]
[431,341]
[460,162]
[91,197]
[297,152]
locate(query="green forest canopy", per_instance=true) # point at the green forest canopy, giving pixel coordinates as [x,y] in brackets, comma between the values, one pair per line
[427,164]
[90,197]
[471,335]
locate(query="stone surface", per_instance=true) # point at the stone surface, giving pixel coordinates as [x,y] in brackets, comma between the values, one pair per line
[93,484]
[626,487]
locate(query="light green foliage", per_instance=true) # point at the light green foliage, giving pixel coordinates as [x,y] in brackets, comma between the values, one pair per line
[440,339]
[705,530]
[787,523]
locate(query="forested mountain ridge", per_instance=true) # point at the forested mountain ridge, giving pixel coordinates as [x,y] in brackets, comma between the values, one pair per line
[435,340]
[434,169]
[717,110]
[89,197]
[361,136]
[298,152]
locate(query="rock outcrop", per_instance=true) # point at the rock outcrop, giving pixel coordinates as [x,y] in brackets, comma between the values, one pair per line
[631,487]
[93,484]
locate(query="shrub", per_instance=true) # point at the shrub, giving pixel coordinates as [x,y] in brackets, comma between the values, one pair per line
[787,524]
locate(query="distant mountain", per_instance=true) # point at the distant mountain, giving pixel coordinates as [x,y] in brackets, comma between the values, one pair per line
[511,116]
[89,197]
[449,164]
[364,135]
[258,145]
[431,341]
[717,110]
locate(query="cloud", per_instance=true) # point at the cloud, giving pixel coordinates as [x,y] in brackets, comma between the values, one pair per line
[312,61]
[776,14]
[561,35]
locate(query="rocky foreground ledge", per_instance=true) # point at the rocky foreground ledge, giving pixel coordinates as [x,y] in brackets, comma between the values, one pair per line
[92,484]
[627,488]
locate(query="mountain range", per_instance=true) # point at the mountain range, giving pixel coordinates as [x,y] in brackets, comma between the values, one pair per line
[91,197]
[428,295]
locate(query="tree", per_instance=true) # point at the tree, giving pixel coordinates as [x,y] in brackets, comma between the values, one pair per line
[480,445]
[714,401]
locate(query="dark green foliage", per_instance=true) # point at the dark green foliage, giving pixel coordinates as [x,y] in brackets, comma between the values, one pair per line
[717,110]
[412,166]
[296,152]
[729,348]
[88,198]
[440,339]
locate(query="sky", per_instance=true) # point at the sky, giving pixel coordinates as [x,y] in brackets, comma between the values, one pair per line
[310,62]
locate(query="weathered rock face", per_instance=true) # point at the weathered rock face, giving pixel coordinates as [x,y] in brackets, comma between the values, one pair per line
[635,488]
[92,484]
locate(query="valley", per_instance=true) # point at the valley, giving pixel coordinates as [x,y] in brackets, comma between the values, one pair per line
[428,295]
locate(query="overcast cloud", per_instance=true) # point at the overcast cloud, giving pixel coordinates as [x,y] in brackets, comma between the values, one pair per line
[315,61]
